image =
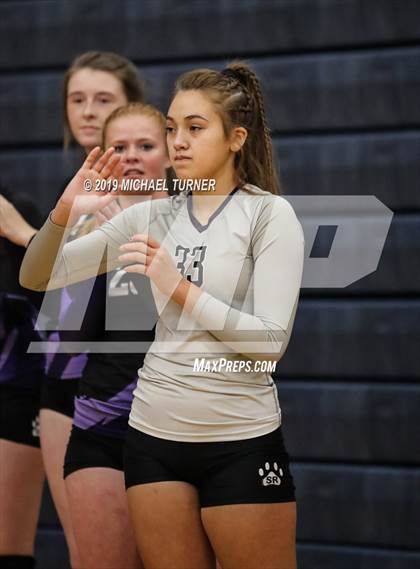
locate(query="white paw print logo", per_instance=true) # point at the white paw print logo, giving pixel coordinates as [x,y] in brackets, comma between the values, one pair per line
[271,476]
[35,427]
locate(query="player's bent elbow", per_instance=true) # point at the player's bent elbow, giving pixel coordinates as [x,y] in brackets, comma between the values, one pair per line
[273,350]
[26,280]
[260,358]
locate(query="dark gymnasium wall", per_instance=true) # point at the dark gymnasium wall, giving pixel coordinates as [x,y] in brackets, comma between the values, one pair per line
[342,81]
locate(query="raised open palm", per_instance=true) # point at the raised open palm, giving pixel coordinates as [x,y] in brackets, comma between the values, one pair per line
[81,194]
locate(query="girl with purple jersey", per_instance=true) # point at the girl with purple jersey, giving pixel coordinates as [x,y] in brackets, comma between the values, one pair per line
[21,469]
[95,84]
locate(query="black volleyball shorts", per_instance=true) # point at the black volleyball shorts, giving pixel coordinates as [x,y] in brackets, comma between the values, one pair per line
[87,449]
[246,471]
[19,415]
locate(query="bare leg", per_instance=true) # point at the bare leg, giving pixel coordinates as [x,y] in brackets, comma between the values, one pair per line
[169,532]
[102,524]
[21,482]
[54,433]
[253,536]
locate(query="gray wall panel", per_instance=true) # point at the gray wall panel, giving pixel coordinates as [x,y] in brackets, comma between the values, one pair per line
[333,557]
[39,33]
[51,549]
[374,339]
[337,91]
[40,173]
[30,106]
[386,165]
[352,504]
[48,515]
[351,422]
[304,93]
[398,262]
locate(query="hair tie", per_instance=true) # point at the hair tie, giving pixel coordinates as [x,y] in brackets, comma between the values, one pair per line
[228,72]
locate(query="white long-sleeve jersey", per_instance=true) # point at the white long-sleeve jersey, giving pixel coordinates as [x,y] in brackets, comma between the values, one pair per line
[248,261]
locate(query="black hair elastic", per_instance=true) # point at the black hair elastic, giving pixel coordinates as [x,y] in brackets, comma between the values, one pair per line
[228,72]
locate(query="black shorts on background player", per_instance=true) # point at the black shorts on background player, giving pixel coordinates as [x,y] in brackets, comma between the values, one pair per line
[118,302]
[19,415]
[59,394]
[20,372]
[87,449]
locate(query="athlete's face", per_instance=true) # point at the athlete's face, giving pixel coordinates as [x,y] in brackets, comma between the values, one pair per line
[197,145]
[92,95]
[140,140]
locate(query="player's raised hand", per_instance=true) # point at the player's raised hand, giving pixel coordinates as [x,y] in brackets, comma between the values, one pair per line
[92,188]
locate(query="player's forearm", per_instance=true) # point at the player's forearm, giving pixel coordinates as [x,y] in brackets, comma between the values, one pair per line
[244,333]
[40,257]
[63,214]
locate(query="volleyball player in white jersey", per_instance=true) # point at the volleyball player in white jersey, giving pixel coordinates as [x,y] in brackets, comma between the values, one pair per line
[206,468]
